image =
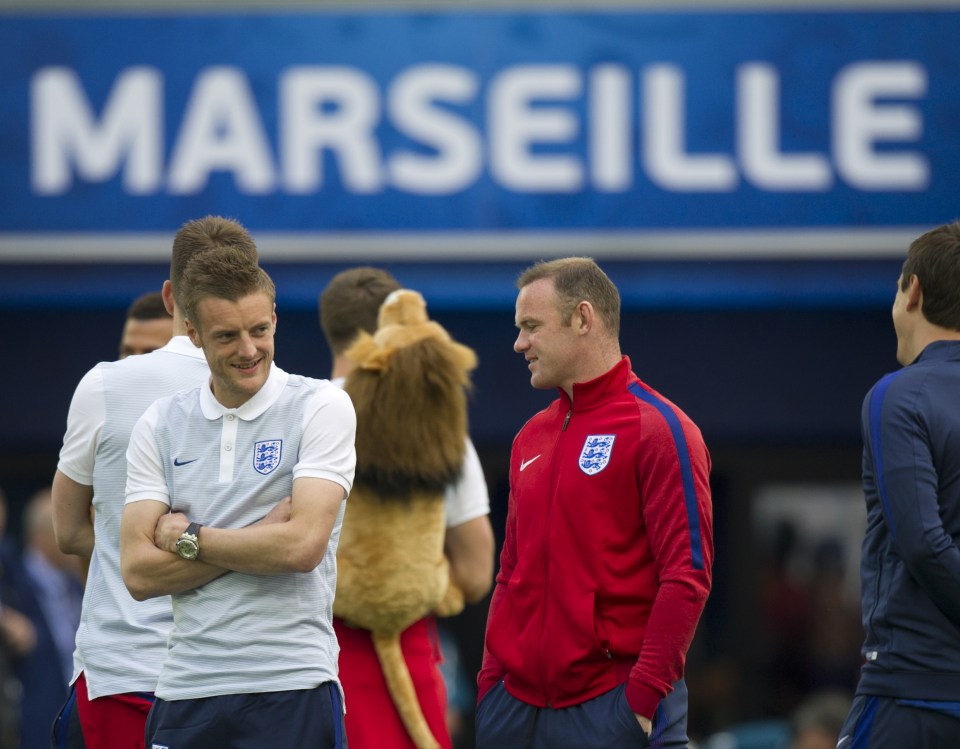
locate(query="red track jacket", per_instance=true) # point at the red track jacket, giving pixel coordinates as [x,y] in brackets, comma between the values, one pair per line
[606,565]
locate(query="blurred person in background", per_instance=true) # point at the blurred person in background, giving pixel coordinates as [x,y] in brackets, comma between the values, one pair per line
[909,689]
[817,722]
[814,724]
[149,325]
[18,638]
[349,304]
[50,592]
[121,643]
[606,564]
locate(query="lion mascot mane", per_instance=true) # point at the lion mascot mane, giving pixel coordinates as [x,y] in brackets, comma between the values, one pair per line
[408,387]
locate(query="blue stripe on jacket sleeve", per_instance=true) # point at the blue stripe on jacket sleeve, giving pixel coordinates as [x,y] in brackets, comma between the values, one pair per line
[686,471]
[875,431]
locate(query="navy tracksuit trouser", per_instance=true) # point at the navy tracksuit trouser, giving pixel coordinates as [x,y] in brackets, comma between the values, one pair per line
[891,723]
[604,722]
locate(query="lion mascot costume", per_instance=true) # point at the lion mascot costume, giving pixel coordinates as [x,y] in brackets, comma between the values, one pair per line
[409,390]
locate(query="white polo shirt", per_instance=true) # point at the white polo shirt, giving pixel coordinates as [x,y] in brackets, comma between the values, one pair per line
[226,468]
[121,643]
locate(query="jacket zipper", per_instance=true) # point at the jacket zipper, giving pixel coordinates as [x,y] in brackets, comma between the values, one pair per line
[604,637]
[872,629]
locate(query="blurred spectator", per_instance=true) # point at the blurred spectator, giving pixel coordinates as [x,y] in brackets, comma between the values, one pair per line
[815,724]
[784,613]
[833,623]
[461,690]
[54,575]
[149,326]
[17,638]
[48,589]
[810,621]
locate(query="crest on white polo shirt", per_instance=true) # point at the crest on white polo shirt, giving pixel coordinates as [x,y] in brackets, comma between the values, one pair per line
[266,455]
[596,453]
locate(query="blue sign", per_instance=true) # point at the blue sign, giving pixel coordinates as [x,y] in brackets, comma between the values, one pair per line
[431,124]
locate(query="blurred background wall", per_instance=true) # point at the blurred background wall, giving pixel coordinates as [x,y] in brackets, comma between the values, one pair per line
[749,174]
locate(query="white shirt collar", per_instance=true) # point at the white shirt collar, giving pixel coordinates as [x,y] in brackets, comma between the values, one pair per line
[181,344]
[260,402]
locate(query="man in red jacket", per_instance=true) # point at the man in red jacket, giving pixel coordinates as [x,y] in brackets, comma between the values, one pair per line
[606,564]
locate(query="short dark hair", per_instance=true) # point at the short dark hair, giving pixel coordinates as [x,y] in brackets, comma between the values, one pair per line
[934,258]
[148,306]
[223,273]
[201,235]
[351,302]
[578,279]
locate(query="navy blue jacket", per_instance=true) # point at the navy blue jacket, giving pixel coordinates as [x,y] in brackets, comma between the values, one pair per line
[910,566]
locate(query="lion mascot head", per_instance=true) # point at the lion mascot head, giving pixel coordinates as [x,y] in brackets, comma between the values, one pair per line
[409,389]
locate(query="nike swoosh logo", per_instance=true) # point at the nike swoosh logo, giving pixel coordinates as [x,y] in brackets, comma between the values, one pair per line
[842,741]
[178,462]
[525,463]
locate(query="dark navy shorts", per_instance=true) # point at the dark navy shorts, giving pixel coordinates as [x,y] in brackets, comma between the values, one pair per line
[66,732]
[891,723]
[302,718]
[604,722]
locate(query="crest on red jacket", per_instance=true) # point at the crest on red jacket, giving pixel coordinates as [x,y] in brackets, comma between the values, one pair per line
[596,453]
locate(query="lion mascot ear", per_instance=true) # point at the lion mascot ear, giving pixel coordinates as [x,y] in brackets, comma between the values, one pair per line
[408,387]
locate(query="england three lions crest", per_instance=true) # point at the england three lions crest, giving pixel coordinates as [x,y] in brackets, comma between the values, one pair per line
[596,453]
[266,456]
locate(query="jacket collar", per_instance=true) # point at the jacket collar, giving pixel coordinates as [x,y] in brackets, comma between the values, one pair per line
[944,350]
[606,387]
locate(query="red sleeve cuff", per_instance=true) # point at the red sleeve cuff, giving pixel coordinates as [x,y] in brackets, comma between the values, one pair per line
[487,680]
[642,699]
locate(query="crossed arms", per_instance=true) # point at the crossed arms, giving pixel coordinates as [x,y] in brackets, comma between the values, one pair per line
[293,537]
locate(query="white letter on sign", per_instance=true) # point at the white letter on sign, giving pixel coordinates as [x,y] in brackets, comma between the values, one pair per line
[329,108]
[221,131]
[459,158]
[65,133]
[859,122]
[758,137]
[664,139]
[516,126]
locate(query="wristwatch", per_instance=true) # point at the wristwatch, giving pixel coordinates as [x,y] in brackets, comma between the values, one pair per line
[188,545]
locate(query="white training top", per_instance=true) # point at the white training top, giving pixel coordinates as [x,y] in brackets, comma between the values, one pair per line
[121,643]
[226,468]
[468,498]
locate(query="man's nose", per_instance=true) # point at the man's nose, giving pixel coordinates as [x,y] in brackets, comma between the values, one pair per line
[247,347]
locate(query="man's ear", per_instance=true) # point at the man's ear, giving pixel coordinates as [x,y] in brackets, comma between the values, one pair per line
[193,333]
[167,293]
[583,317]
[914,294]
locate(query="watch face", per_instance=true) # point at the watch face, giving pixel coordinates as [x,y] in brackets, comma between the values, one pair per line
[187,548]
